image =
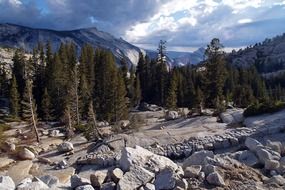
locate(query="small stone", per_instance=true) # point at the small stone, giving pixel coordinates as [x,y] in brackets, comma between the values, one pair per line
[77,181]
[215,179]
[62,164]
[8,147]
[252,144]
[197,158]
[65,147]
[98,178]
[149,186]
[26,154]
[44,160]
[209,169]
[192,171]
[117,174]
[271,164]
[108,186]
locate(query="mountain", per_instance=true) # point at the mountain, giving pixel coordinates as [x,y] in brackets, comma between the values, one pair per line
[268,56]
[15,36]
[175,58]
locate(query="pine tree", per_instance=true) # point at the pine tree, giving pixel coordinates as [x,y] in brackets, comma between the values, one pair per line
[120,104]
[29,108]
[137,92]
[171,99]
[92,129]
[215,73]
[46,106]
[14,98]
[19,70]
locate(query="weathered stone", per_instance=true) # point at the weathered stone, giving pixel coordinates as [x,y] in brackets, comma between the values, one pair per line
[192,171]
[85,187]
[6,183]
[209,169]
[134,178]
[54,133]
[275,146]
[50,180]
[117,174]
[65,147]
[33,184]
[215,179]
[263,155]
[248,158]
[26,154]
[108,186]
[232,116]
[197,158]
[271,164]
[142,157]
[77,181]
[252,144]
[171,115]
[149,186]
[165,179]
[278,179]
[98,178]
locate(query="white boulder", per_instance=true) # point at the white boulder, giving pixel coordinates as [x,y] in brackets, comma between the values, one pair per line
[6,183]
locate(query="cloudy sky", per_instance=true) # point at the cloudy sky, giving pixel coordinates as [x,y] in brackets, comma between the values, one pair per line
[184,24]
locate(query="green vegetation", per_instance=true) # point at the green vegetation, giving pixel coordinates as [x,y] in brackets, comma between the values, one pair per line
[264,107]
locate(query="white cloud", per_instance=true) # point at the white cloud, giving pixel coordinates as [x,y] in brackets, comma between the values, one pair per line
[245,21]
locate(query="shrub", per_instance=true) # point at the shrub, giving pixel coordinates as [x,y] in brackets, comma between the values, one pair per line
[264,107]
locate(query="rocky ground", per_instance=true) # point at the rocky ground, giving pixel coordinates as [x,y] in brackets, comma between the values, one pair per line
[176,153]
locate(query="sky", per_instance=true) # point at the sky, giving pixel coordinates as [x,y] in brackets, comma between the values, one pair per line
[185,24]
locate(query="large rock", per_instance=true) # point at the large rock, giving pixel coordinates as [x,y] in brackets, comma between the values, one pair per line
[65,147]
[33,184]
[136,177]
[6,183]
[26,154]
[232,116]
[77,181]
[192,171]
[5,161]
[98,178]
[165,179]
[198,158]
[252,144]
[248,158]
[142,157]
[263,155]
[171,115]
[215,179]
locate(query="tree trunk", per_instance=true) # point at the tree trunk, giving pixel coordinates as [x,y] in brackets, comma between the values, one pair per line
[34,119]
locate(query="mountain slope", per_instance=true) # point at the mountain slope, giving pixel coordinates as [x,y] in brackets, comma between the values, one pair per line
[268,56]
[15,36]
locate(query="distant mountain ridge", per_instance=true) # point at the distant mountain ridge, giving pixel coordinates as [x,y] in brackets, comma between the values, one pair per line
[15,36]
[268,56]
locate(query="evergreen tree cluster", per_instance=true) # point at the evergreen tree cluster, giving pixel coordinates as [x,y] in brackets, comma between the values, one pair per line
[65,87]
